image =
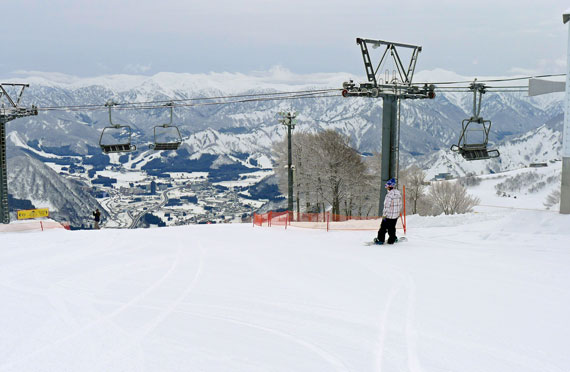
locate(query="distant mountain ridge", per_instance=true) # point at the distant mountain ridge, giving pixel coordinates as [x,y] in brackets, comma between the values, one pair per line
[238,137]
[426,125]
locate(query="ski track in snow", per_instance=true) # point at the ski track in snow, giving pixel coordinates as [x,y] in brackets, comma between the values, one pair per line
[328,357]
[402,276]
[411,332]
[382,328]
[164,311]
[124,302]
[332,360]
[100,320]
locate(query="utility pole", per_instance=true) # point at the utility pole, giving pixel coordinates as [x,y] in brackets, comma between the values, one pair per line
[11,112]
[391,91]
[288,120]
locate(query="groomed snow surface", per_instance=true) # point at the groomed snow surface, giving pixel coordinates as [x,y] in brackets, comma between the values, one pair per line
[487,291]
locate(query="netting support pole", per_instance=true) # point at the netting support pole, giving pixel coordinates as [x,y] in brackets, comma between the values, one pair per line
[404,215]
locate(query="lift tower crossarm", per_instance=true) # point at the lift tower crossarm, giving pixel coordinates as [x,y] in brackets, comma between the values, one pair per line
[406,75]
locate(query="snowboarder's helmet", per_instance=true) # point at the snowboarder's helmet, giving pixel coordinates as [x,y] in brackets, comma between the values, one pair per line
[391,183]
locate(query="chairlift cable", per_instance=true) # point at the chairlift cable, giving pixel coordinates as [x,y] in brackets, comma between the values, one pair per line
[494,80]
[199,104]
[260,97]
[159,103]
[232,96]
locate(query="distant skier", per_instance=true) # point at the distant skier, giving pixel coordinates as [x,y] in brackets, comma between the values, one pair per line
[96,218]
[392,209]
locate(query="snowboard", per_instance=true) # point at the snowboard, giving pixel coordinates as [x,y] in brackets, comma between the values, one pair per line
[400,240]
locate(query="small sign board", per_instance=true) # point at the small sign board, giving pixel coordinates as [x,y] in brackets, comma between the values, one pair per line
[27,214]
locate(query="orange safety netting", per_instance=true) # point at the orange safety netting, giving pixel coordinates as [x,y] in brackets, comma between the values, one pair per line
[40,225]
[326,220]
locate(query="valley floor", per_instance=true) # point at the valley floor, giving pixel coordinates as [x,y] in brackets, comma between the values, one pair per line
[487,291]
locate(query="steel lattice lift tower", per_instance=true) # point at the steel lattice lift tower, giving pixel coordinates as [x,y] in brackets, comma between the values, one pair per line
[11,112]
[391,91]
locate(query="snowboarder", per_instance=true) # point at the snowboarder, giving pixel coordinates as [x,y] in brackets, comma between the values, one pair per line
[97,218]
[392,208]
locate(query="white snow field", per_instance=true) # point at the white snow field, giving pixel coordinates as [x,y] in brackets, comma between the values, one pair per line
[486,291]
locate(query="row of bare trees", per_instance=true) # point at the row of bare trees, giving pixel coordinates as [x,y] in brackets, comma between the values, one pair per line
[435,198]
[328,171]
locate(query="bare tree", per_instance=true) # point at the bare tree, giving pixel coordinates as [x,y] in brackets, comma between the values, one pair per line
[327,169]
[336,167]
[415,181]
[552,199]
[450,198]
[374,172]
[470,179]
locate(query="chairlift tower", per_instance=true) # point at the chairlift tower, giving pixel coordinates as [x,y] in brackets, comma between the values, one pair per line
[537,87]
[391,91]
[7,113]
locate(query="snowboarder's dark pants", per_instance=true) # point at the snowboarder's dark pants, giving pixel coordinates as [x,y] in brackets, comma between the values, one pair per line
[388,224]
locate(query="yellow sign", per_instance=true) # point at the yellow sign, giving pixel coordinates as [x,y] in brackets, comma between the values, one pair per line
[33,213]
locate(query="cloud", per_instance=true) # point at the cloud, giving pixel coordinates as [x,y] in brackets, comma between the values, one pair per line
[137,68]
[543,66]
[56,77]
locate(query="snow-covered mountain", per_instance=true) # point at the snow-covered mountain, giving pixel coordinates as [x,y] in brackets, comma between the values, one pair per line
[241,135]
[426,125]
[67,200]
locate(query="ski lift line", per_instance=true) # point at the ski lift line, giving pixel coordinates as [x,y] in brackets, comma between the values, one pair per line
[100,106]
[264,99]
[317,91]
[134,107]
[496,80]
[506,87]
[152,107]
[234,96]
[489,87]
[237,101]
[495,89]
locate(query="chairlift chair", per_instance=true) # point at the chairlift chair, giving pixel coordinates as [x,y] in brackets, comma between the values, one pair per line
[475,150]
[476,126]
[167,145]
[122,146]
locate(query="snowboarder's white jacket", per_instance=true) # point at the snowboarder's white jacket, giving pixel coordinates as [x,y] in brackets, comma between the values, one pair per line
[392,204]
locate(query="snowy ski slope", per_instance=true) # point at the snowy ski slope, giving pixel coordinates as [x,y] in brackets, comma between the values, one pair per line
[487,291]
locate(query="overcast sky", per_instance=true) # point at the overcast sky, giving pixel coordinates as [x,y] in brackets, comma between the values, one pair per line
[91,38]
